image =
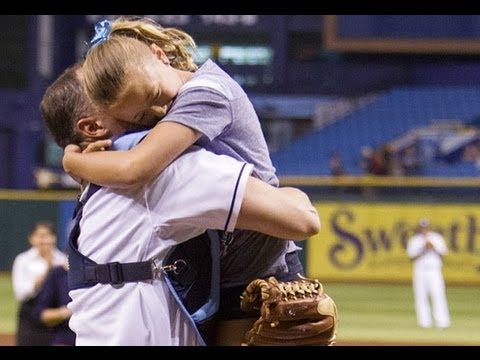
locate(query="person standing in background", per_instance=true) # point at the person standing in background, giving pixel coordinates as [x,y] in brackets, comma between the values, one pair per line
[336,164]
[426,249]
[51,306]
[29,271]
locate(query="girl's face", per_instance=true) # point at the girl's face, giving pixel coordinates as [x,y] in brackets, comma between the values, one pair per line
[150,88]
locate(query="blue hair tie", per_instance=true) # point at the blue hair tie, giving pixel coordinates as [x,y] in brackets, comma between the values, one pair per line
[102,33]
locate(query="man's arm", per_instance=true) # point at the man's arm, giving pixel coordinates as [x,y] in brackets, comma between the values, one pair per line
[282,212]
[415,248]
[202,190]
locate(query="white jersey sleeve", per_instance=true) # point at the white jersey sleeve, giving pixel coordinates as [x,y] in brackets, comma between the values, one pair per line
[23,280]
[198,191]
[438,243]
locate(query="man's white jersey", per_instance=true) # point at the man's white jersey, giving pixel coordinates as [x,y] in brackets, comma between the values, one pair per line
[198,191]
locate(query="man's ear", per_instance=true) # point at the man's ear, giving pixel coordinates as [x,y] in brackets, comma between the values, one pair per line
[92,128]
[159,53]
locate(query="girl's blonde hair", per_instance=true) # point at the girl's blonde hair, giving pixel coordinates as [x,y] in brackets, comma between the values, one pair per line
[174,42]
[105,66]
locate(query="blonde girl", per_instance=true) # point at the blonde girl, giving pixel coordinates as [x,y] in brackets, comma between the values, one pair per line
[137,71]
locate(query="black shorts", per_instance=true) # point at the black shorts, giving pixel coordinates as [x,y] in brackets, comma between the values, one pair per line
[230,297]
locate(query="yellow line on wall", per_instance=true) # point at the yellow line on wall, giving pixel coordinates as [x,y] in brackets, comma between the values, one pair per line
[41,195]
[379,181]
[360,181]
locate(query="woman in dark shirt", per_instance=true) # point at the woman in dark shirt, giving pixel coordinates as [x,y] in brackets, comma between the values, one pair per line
[51,308]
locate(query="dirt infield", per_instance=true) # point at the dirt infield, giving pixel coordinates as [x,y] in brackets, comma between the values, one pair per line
[7,340]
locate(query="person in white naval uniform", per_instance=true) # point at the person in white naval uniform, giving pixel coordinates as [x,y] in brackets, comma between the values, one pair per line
[426,250]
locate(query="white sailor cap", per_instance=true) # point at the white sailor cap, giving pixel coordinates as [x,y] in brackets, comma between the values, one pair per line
[424,222]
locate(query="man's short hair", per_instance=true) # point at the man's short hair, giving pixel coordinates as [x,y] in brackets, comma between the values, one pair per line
[63,104]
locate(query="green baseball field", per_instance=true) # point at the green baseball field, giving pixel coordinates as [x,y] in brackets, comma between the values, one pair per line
[369,315]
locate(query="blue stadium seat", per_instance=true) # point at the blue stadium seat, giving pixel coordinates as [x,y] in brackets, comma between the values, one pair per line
[395,113]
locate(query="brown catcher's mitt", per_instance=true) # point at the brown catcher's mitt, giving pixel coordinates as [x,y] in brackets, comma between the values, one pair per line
[291,313]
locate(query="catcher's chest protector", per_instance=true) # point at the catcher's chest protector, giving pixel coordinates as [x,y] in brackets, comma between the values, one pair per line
[83,272]
[195,286]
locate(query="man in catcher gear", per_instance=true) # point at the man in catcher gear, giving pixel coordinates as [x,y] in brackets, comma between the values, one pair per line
[303,223]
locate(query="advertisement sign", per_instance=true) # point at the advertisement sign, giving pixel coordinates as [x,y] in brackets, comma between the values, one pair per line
[360,241]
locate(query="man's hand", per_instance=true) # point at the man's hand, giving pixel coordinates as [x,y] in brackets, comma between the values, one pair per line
[72,148]
[99,145]
[84,148]
[428,244]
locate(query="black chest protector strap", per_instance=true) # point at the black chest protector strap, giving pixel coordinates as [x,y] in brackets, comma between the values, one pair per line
[84,272]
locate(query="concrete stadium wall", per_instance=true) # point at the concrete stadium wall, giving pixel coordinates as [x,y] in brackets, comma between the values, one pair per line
[20,210]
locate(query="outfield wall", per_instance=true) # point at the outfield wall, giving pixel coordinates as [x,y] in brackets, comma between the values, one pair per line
[19,210]
[360,240]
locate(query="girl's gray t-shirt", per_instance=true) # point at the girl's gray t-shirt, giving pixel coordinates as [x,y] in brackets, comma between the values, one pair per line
[214,104]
